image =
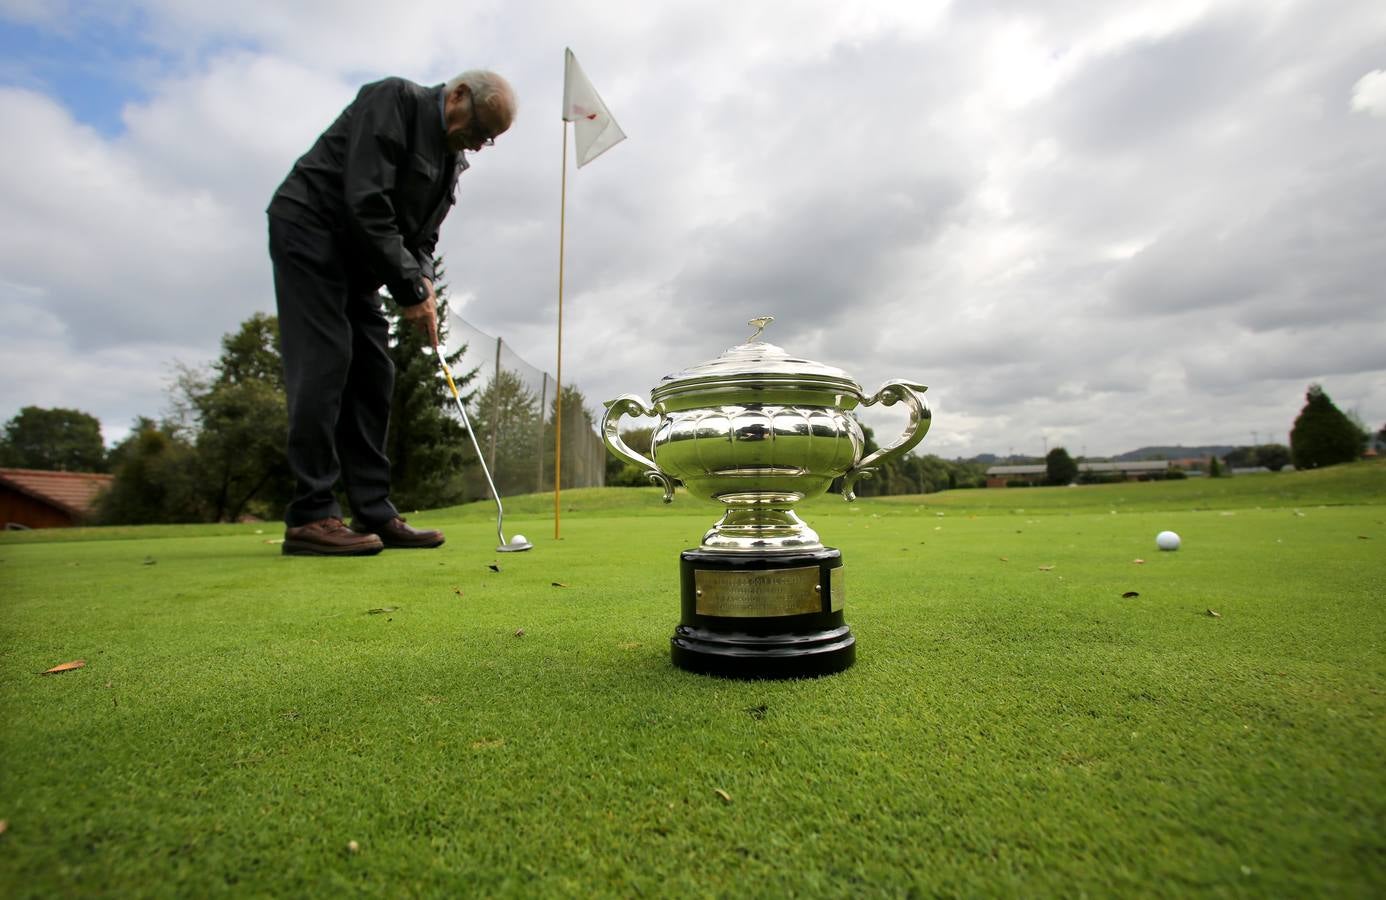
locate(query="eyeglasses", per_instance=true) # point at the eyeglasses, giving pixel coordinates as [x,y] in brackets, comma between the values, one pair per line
[479,137]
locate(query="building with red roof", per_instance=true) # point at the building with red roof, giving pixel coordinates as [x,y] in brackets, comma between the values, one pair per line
[32,498]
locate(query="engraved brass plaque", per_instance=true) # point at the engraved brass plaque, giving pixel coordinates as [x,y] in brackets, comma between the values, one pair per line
[775,592]
[835,588]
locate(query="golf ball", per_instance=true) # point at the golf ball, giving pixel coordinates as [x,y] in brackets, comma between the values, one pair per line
[518,539]
[1167,540]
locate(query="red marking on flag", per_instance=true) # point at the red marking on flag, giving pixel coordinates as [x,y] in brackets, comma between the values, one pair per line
[591,116]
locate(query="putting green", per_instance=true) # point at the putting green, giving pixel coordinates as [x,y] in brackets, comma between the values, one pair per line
[419,723]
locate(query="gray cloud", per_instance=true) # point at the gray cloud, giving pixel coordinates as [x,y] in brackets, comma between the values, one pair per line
[1149,223]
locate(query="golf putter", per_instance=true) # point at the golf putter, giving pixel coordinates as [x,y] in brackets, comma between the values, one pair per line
[505,546]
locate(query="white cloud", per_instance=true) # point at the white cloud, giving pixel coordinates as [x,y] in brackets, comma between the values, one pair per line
[1369,94]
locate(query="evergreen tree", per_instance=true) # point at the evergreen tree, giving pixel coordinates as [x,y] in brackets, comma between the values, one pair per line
[510,431]
[1322,435]
[427,446]
[579,433]
[1059,467]
[60,440]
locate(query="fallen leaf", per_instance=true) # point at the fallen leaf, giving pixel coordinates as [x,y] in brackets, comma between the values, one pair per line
[149,560]
[457,591]
[726,798]
[1129,594]
[273,541]
[1139,562]
[558,584]
[1005,559]
[1046,568]
[1215,614]
[65,667]
[381,609]
[1363,537]
[493,567]
[520,632]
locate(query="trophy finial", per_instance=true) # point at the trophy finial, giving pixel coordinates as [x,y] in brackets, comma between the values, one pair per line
[759,323]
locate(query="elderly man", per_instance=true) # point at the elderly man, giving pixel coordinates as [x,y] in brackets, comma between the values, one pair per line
[359,210]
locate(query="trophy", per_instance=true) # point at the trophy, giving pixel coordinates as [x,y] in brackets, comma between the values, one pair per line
[758,430]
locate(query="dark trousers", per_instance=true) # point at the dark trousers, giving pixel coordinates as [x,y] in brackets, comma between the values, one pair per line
[338,375]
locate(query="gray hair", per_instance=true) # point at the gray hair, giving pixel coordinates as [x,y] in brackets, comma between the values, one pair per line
[489,90]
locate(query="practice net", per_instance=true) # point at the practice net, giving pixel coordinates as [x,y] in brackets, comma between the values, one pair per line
[512,406]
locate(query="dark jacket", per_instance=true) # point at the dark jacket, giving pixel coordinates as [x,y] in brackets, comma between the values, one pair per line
[382,179]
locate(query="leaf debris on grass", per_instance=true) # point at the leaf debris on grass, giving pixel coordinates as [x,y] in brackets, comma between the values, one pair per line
[1213,613]
[558,584]
[381,609]
[1138,561]
[493,567]
[726,798]
[149,560]
[519,632]
[1129,594]
[65,667]
[1046,568]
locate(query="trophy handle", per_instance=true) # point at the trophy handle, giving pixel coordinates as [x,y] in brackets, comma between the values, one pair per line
[631,405]
[921,418]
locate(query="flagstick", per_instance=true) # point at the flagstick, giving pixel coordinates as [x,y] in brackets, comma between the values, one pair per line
[558,393]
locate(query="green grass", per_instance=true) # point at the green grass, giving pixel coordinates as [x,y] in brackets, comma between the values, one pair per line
[1009,728]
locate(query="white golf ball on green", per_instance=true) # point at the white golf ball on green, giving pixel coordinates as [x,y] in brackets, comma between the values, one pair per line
[517,539]
[1167,540]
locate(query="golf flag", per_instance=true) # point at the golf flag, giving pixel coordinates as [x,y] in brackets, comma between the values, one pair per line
[594,131]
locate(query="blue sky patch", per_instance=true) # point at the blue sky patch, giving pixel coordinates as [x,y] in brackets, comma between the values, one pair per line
[92,66]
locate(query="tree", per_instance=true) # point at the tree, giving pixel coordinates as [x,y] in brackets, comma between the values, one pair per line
[64,440]
[237,419]
[154,479]
[252,353]
[1322,435]
[581,457]
[1214,467]
[1273,456]
[427,446]
[510,431]
[1059,467]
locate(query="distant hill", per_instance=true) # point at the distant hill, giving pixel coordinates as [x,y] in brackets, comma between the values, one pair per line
[1176,452]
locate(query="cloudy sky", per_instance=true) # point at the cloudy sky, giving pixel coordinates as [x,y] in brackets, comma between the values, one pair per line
[1096,224]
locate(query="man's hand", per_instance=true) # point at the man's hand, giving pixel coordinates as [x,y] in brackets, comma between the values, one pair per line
[424,316]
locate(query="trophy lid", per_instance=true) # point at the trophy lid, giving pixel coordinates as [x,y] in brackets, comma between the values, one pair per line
[757,372]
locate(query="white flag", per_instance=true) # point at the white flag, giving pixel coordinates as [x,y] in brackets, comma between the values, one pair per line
[593,128]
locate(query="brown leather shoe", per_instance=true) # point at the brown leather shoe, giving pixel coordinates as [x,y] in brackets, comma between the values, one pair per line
[329,537]
[399,535]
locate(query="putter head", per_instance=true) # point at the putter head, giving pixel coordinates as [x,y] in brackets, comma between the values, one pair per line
[518,543]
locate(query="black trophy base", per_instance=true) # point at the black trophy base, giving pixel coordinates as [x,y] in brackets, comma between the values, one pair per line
[770,616]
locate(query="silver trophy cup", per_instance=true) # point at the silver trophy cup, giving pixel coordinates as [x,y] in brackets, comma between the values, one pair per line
[758,431]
